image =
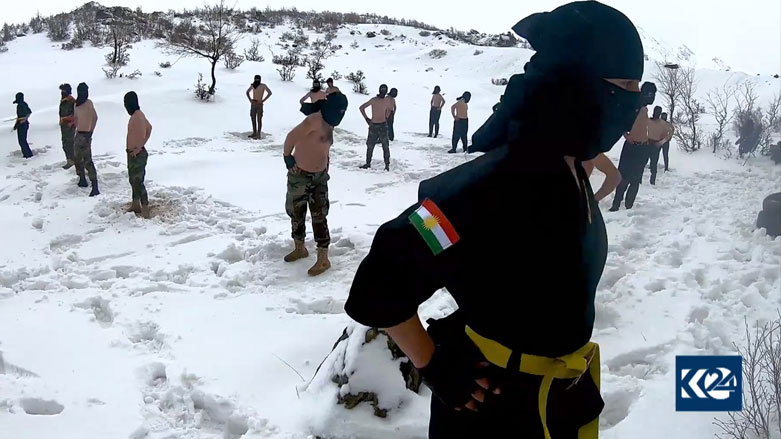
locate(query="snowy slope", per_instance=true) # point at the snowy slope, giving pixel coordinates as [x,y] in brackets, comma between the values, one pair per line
[191,326]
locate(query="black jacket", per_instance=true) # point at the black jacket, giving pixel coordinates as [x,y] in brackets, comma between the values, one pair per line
[525,271]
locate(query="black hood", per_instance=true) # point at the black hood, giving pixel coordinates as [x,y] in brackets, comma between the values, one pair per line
[82,94]
[19,98]
[333,108]
[383,91]
[436,90]
[393,93]
[466,97]
[578,45]
[131,102]
[66,90]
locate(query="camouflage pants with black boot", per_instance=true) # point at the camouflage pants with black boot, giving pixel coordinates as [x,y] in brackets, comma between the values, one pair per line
[309,189]
[82,157]
[136,171]
[378,133]
[68,132]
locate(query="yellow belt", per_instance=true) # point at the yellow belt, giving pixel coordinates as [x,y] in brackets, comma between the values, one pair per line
[569,366]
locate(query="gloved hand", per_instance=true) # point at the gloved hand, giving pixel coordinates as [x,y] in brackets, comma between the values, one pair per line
[459,375]
[290,161]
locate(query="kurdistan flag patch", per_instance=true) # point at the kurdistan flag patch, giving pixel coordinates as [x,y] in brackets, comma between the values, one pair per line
[434,227]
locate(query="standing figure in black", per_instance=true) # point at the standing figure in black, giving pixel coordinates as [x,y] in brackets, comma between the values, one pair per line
[515,360]
[392,94]
[22,125]
[437,102]
[666,147]
[636,152]
[460,113]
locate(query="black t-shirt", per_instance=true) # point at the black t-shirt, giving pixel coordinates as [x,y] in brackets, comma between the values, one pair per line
[525,271]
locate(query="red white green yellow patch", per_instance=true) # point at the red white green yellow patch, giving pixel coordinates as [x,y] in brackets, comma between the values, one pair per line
[434,227]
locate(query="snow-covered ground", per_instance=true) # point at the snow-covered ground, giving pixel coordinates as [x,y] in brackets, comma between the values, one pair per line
[189,325]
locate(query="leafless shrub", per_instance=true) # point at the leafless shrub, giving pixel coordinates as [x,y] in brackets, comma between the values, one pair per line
[358,78]
[111,71]
[253,53]
[136,74]
[335,75]
[59,27]
[354,44]
[668,79]
[232,60]
[201,91]
[165,65]
[437,53]
[761,415]
[315,59]
[287,64]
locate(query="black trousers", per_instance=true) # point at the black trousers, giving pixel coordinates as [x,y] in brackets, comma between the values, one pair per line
[433,121]
[460,130]
[391,134]
[634,157]
[630,189]
[654,161]
[666,153]
[21,136]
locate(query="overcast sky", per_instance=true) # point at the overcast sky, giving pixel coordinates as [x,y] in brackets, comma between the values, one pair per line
[746,34]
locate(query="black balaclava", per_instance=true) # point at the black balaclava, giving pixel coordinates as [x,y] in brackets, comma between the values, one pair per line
[466,97]
[19,98]
[383,91]
[664,116]
[578,45]
[657,112]
[393,93]
[333,108]
[329,82]
[131,102]
[82,94]
[436,90]
[256,82]
[316,86]
[66,90]
[647,93]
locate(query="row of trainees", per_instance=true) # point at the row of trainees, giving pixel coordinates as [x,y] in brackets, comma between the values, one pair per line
[383,112]
[78,120]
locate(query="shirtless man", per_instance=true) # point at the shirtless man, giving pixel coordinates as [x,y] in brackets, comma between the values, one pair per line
[306,155]
[392,94]
[378,126]
[260,94]
[659,133]
[331,87]
[315,94]
[460,112]
[437,102]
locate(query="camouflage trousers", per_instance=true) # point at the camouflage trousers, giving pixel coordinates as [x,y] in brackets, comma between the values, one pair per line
[378,133]
[82,155]
[68,132]
[136,171]
[308,189]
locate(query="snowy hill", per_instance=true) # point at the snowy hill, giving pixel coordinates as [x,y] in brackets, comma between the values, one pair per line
[189,325]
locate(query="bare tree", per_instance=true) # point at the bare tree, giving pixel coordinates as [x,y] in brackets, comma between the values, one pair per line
[718,100]
[59,27]
[687,131]
[770,122]
[212,39]
[668,78]
[287,63]
[746,97]
[314,60]
[762,386]
[119,38]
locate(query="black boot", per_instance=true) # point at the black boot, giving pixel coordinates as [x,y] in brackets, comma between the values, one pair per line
[615,207]
[95,190]
[653,180]
[365,166]
[82,181]
[452,151]
[387,166]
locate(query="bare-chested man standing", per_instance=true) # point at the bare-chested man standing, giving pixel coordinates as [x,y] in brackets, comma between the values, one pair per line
[306,154]
[378,126]
[460,112]
[331,88]
[260,94]
[437,102]
[315,94]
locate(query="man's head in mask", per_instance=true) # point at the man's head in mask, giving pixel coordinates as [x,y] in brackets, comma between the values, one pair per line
[437,90]
[588,55]
[316,86]
[256,82]
[393,93]
[131,102]
[664,116]
[647,93]
[329,82]
[657,112]
[466,97]
[333,108]
[82,93]
[383,91]
[65,90]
